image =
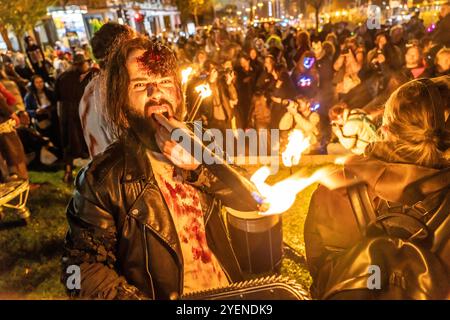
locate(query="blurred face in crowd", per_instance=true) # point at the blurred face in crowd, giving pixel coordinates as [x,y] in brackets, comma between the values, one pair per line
[268,64]
[245,64]
[83,67]
[39,84]
[253,54]
[443,61]
[303,106]
[213,75]
[412,57]
[201,57]
[149,93]
[381,41]
[317,48]
[228,64]
[31,41]
[20,59]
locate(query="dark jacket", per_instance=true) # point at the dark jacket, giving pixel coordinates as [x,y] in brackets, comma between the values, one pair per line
[68,92]
[330,225]
[122,234]
[32,100]
[440,34]
[246,82]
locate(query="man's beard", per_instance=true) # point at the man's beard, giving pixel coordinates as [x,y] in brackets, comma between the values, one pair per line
[145,125]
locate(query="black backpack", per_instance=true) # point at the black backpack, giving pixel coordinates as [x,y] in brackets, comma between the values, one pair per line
[399,254]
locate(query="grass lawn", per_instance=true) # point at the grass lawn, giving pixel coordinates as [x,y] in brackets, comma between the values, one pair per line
[30,254]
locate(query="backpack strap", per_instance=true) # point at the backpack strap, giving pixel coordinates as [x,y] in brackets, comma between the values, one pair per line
[361,205]
[437,225]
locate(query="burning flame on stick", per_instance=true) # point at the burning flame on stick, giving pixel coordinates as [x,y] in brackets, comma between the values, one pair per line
[185,74]
[297,144]
[204,91]
[281,196]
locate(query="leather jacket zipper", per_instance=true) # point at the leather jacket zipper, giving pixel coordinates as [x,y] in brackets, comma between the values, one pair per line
[179,263]
[146,263]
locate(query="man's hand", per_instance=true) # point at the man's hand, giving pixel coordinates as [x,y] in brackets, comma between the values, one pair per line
[291,108]
[170,148]
[230,77]
[276,99]
[16,119]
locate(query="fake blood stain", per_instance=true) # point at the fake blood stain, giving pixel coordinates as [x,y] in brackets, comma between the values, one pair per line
[184,202]
[158,59]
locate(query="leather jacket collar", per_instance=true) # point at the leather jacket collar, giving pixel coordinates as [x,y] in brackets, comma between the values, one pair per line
[137,165]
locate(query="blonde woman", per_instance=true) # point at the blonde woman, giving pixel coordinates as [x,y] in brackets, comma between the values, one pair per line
[406,168]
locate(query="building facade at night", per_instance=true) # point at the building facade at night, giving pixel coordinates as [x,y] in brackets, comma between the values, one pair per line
[77,21]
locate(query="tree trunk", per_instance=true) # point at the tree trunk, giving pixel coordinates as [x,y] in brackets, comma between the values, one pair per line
[5,37]
[19,36]
[317,19]
[196,18]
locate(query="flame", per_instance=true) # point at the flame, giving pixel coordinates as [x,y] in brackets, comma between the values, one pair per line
[297,144]
[204,90]
[341,160]
[281,196]
[185,74]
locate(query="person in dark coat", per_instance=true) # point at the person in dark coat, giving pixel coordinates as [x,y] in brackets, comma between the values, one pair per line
[146,222]
[413,154]
[246,82]
[40,104]
[441,34]
[283,88]
[37,58]
[69,89]
[22,68]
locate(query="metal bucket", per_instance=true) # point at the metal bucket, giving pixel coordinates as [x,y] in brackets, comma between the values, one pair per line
[256,239]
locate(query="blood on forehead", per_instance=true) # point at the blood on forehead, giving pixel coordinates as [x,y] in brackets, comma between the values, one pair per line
[157,60]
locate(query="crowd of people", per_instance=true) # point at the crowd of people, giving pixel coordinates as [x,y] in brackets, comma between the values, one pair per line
[331,85]
[39,129]
[145,222]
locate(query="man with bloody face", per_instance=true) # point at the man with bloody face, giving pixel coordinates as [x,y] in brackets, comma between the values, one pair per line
[144,220]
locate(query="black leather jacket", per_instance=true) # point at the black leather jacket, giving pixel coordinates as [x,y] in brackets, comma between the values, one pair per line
[122,235]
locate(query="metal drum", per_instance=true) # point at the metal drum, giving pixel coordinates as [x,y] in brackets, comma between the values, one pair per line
[256,239]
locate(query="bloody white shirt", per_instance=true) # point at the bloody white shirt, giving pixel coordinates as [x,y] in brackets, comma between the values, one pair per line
[201,268]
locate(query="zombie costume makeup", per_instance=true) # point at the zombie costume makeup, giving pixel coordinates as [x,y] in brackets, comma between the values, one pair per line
[137,229]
